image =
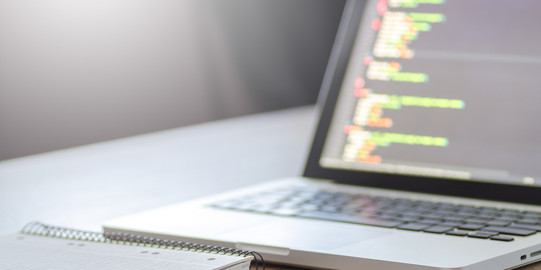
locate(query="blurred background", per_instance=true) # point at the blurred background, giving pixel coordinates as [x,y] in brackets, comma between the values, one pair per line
[75,72]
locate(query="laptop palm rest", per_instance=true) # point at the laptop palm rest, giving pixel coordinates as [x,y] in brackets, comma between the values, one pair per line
[286,234]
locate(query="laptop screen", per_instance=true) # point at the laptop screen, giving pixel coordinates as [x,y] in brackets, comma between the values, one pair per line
[440,89]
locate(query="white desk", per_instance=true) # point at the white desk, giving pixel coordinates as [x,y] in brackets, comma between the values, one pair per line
[81,187]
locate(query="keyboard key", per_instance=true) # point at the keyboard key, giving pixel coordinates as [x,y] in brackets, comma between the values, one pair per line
[454,219]
[407,219]
[446,206]
[482,234]
[510,213]
[412,213]
[457,233]
[487,232]
[528,221]
[464,215]
[391,211]
[428,221]
[438,216]
[470,226]
[350,219]
[451,224]
[498,223]
[476,220]
[413,226]
[511,231]
[438,229]
[502,238]
[479,235]
[508,218]
[535,215]
[527,226]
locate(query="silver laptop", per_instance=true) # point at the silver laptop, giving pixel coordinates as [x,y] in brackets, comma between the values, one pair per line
[426,155]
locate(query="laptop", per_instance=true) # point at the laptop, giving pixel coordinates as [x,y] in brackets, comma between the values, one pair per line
[425,156]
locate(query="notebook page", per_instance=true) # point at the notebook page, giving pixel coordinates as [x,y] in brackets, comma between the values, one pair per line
[21,251]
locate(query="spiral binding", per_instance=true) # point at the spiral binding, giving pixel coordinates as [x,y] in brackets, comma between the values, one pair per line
[38,228]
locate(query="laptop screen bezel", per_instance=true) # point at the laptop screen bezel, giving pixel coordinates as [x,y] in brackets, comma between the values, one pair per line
[330,89]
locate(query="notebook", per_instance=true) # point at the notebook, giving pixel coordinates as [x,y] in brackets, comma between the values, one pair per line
[425,156]
[40,246]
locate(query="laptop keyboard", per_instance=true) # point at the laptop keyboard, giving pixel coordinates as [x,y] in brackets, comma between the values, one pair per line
[439,218]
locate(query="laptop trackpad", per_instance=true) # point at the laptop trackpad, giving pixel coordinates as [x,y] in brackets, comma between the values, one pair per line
[304,235]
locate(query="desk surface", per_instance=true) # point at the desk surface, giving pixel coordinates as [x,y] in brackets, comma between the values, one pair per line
[81,187]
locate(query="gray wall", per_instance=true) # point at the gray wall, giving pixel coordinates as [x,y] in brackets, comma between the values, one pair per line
[74,72]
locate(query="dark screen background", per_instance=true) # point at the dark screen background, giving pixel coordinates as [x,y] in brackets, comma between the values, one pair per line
[487,54]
